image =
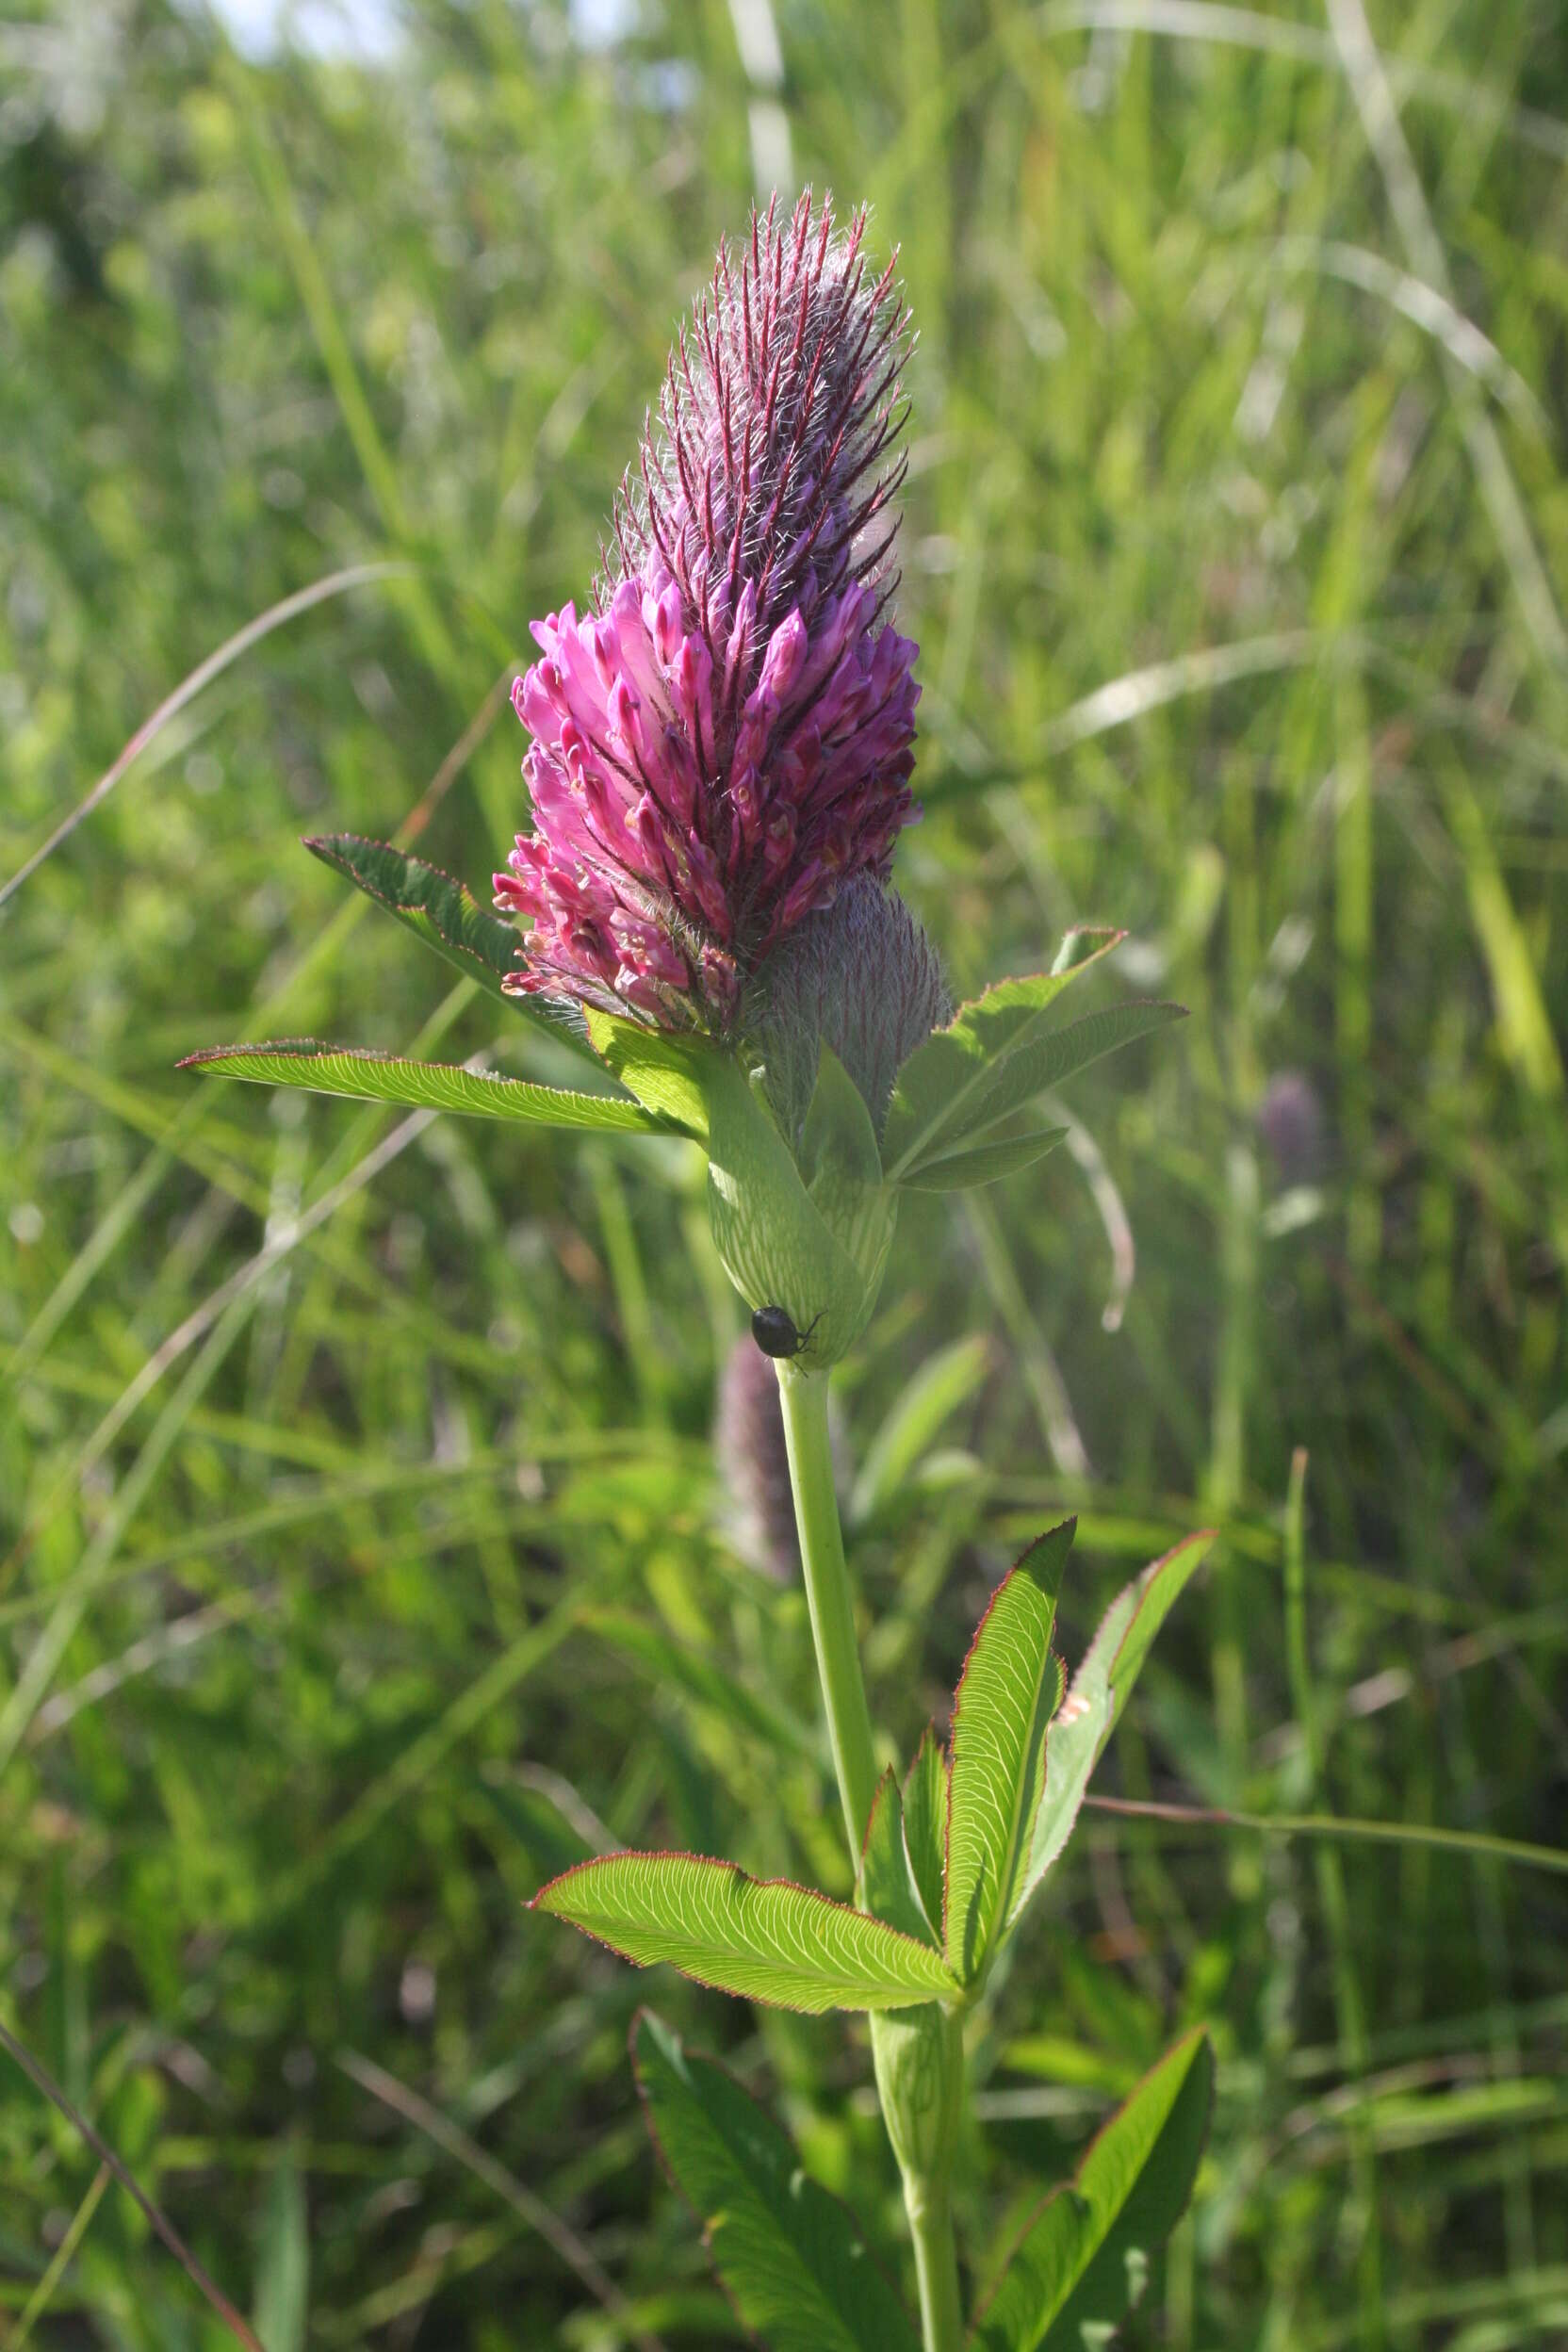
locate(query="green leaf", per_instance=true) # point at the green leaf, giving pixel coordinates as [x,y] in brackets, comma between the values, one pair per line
[942,1078]
[369,1077]
[956,1172]
[441,909]
[794,2259]
[546,1825]
[1148,1602]
[1077,1737]
[843,1168]
[941,1384]
[1006,1695]
[669,1074]
[1057,1055]
[819,1255]
[282,2263]
[838,1135]
[763,1939]
[777,1246]
[925,1822]
[1073,1745]
[1083,2263]
[889,1889]
[443,913]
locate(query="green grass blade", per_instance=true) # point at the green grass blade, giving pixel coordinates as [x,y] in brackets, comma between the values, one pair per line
[763,1939]
[792,2258]
[931,1395]
[1349,1829]
[282,2261]
[288,609]
[672,1666]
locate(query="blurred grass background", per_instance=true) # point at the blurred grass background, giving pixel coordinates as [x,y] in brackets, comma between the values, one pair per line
[365,1558]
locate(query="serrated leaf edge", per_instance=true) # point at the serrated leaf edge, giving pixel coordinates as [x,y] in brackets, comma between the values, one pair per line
[547,1015]
[1147,1579]
[1071,1522]
[937,1741]
[976,1139]
[321,845]
[644,2015]
[890,1780]
[717,1862]
[927,1176]
[982,1140]
[1111,938]
[317,1049]
[1069,2188]
[1073,1702]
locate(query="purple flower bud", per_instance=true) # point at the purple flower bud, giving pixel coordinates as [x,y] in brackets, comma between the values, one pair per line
[862,978]
[753,1463]
[1290,1120]
[748,1442]
[726,741]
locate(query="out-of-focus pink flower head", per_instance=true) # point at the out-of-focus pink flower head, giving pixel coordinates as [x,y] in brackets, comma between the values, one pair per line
[727,739]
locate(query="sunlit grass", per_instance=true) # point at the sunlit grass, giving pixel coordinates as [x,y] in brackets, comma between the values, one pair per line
[360,1551]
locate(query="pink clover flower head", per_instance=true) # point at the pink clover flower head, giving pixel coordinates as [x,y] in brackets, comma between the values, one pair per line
[726,738]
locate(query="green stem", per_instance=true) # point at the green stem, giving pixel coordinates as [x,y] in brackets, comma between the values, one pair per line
[941,2312]
[804,1396]
[927,2198]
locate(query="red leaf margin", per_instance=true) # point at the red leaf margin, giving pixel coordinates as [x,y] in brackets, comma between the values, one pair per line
[714,1862]
[1070,1526]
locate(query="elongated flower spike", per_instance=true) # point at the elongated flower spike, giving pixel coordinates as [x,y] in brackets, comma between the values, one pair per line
[725,740]
[720,769]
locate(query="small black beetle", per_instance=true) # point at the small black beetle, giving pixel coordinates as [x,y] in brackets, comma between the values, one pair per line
[774,1329]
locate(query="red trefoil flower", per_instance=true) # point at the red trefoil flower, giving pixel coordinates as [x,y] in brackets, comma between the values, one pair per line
[726,738]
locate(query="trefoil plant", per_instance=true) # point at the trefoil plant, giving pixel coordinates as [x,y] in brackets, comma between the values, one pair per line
[720,763]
